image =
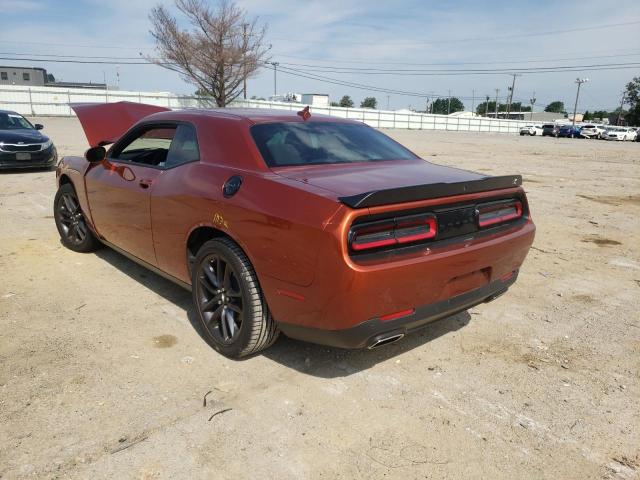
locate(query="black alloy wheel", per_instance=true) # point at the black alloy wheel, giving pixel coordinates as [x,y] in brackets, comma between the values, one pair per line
[72,226]
[233,313]
[220,299]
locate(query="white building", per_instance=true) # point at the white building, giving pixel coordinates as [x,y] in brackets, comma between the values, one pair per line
[315,99]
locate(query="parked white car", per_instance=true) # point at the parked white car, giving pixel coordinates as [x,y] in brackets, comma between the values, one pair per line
[619,133]
[531,130]
[592,131]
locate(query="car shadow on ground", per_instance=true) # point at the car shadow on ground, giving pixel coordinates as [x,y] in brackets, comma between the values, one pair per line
[310,359]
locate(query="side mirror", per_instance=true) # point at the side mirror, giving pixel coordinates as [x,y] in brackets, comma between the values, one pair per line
[38,126]
[95,154]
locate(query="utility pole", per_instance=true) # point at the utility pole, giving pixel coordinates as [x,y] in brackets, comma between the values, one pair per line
[473,100]
[532,101]
[579,81]
[513,86]
[449,103]
[387,102]
[620,112]
[486,106]
[275,78]
[497,92]
[244,60]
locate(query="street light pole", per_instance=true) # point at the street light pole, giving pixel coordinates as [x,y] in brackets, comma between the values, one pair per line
[497,92]
[579,81]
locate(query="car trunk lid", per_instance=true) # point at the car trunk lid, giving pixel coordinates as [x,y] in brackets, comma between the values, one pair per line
[368,184]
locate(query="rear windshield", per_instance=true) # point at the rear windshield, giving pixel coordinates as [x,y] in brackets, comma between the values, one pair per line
[309,143]
[548,125]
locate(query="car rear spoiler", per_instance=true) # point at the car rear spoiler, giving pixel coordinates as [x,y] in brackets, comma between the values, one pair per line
[104,123]
[431,190]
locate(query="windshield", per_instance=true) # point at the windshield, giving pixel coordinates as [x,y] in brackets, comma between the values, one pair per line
[310,143]
[13,121]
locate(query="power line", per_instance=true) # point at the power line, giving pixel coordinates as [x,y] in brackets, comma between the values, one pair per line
[432,72]
[115,58]
[475,39]
[502,62]
[494,71]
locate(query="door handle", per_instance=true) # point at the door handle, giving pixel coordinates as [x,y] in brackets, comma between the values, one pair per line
[145,183]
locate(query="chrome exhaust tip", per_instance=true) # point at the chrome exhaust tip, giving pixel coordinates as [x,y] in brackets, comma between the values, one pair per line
[384,339]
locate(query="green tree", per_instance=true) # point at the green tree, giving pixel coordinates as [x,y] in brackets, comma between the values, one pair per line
[369,102]
[555,107]
[347,102]
[632,98]
[599,115]
[441,106]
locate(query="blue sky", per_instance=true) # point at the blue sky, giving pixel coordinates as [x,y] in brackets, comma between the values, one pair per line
[362,34]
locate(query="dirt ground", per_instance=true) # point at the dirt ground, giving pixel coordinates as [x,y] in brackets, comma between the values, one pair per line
[103,376]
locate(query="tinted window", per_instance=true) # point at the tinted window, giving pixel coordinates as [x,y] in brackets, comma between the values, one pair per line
[287,144]
[164,147]
[149,148]
[184,147]
[4,76]
[26,77]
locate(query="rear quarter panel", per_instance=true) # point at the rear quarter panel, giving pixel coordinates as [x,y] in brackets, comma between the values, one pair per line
[278,226]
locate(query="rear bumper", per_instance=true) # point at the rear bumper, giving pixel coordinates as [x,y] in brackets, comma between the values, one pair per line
[366,334]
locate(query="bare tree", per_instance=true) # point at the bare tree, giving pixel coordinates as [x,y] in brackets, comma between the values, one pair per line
[217,54]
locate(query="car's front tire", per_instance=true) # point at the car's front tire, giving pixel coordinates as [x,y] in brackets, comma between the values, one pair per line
[231,308]
[74,231]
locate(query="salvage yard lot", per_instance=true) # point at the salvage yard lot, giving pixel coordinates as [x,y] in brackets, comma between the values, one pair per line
[103,376]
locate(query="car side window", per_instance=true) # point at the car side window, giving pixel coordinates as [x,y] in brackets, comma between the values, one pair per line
[151,147]
[184,147]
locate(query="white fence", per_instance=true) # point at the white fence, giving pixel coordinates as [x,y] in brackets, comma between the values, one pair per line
[55,101]
[401,120]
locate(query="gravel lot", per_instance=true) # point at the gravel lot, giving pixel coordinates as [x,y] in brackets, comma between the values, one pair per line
[103,376]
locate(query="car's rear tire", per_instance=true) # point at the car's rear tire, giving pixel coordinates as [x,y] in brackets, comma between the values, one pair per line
[74,231]
[231,308]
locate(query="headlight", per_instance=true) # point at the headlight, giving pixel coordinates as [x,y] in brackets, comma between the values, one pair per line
[47,144]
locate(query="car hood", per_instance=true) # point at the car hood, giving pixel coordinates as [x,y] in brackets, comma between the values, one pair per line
[104,123]
[356,178]
[22,136]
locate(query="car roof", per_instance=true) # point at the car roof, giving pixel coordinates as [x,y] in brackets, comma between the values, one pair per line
[252,115]
[11,112]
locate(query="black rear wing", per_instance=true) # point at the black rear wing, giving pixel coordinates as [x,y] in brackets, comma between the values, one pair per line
[430,190]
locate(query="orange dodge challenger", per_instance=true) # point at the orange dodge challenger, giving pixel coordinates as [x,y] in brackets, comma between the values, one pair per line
[322,228]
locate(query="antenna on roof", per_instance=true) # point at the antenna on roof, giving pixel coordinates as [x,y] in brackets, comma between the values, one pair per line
[305,113]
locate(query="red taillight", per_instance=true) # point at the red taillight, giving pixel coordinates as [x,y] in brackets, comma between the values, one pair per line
[496,213]
[393,232]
